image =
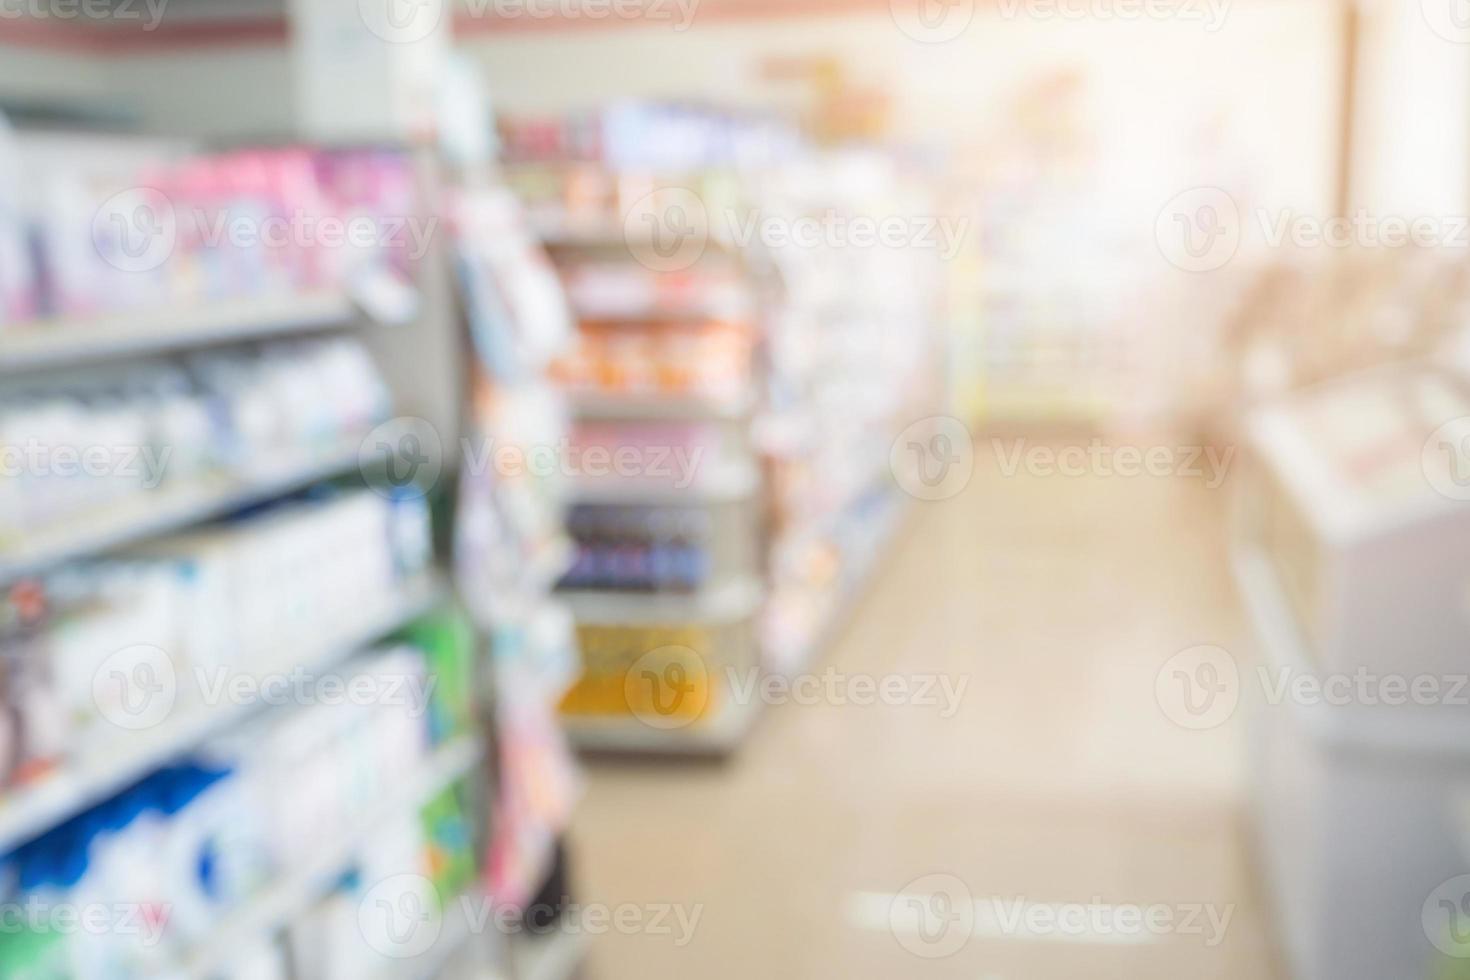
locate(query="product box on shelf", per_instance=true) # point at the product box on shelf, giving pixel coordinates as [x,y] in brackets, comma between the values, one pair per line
[448,641]
[192,844]
[661,676]
[695,359]
[646,549]
[127,224]
[18,285]
[288,573]
[660,461]
[110,437]
[201,611]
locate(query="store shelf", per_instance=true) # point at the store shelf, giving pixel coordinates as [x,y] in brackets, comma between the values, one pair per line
[149,513]
[606,234]
[599,407]
[731,601]
[52,344]
[30,811]
[729,483]
[275,907]
[555,956]
[851,588]
[692,316]
[720,735]
[579,234]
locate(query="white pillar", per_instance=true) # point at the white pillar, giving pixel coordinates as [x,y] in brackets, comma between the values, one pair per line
[1411,144]
[368,69]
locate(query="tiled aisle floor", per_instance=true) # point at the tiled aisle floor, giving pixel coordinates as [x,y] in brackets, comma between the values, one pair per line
[1059,780]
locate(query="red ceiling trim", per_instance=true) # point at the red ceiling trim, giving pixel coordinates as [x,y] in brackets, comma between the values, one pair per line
[110,39]
[664,13]
[106,39]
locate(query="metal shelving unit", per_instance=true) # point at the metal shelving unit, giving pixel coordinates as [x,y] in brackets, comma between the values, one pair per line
[733,487]
[61,349]
[57,344]
[655,407]
[422,364]
[738,598]
[734,484]
[721,734]
[29,811]
[273,908]
[172,508]
[854,583]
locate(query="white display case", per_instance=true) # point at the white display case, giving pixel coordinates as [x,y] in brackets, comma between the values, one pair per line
[1352,493]
[1352,557]
[1354,812]
[1353,842]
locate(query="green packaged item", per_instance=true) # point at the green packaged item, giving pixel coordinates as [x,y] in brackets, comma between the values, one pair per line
[448,641]
[451,845]
[28,954]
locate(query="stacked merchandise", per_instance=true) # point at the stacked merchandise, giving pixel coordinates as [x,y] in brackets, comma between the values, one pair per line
[1065,269]
[1350,558]
[639,550]
[174,862]
[510,542]
[1055,344]
[852,352]
[715,341]
[138,435]
[237,601]
[964,301]
[104,227]
[198,778]
[584,173]
[637,205]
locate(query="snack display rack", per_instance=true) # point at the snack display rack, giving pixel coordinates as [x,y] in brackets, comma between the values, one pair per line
[725,488]
[786,372]
[853,360]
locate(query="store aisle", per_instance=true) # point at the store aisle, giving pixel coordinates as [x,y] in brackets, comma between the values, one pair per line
[1058,780]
